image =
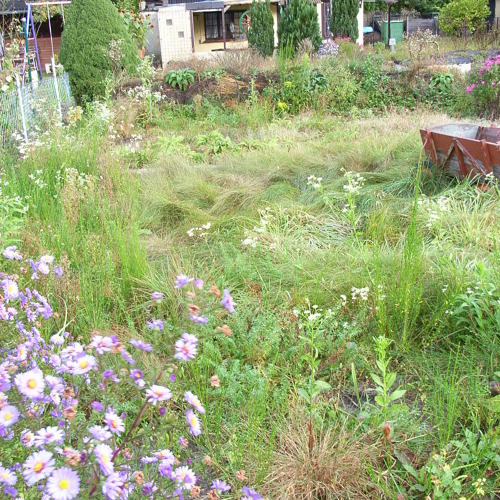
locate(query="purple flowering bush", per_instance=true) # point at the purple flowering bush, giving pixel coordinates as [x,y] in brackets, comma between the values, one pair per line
[60,400]
[483,87]
[328,49]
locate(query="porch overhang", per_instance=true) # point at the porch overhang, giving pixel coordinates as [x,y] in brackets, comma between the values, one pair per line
[205,6]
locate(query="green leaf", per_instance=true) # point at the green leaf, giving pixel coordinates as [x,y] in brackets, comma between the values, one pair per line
[397,394]
[304,395]
[377,379]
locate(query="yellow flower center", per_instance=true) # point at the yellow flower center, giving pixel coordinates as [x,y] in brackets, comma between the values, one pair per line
[114,424]
[5,475]
[193,421]
[104,459]
[84,363]
[31,383]
[64,484]
[7,416]
[39,466]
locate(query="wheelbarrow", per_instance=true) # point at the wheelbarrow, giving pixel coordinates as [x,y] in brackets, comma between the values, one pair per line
[464,150]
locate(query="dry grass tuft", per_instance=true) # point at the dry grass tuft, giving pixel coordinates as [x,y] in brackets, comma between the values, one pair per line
[338,467]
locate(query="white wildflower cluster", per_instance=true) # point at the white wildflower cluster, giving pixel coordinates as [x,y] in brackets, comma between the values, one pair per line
[434,209]
[80,180]
[199,232]
[250,241]
[141,93]
[253,236]
[354,182]
[360,293]
[314,181]
[37,179]
[312,314]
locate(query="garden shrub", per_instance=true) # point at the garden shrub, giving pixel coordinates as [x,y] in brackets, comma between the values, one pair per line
[343,21]
[299,21]
[261,33]
[92,28]
[484,88]
[463,17]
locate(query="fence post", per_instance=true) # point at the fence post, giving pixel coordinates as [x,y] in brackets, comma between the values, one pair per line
[21,108]
[58,97]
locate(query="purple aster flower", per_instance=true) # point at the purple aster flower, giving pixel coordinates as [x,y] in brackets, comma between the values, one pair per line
[250,494]
[127,357]
[157,393]
[11,491]
[97,406]
[149,460]
[9,415]
[99,433]
[220,486]
[12,253]
[107,373]
[185,351]
[155,324]
[104,454]
[162,410]
[64,484]
[183,442]
[194,423]
[7,476]
[194,401]
[172,377]
[198,283]
[149,488]
[199,318]
[182,280]
[143,346]
[184,477]
[38,466]
[157,296]
[227,301]
[165,470]
[10,289]
[58,271]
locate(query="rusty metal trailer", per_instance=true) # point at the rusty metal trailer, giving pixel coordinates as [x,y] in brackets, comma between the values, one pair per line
[463,149]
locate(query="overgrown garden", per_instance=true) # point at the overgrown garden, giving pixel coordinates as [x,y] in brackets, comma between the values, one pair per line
[242,278]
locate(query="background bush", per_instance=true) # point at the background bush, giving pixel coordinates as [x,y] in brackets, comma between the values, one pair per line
[463,17]
[91,27]
[299,21]
[344,21]
[261,33]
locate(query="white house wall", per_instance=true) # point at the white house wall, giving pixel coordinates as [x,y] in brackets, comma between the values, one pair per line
[175,33]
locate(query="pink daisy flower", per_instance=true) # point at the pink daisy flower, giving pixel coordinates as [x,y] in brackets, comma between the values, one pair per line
[114,422]
[30,384]
[158,393]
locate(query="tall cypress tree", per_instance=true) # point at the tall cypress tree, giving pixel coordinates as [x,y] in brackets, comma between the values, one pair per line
[344,19]
[299,21]
[261,33]
[90,27]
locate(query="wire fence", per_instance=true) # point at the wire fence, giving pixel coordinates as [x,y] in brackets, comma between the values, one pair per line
[26,109]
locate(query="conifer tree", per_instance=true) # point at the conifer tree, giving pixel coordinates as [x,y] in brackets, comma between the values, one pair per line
[299,21]
[261,32]
[344,22]
[91,26]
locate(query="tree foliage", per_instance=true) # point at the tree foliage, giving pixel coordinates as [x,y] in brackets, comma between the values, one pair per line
[344,21]
[261,33]
[463,17]
[299,21]
[91,27]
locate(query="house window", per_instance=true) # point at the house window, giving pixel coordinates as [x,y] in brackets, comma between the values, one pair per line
[213,25]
